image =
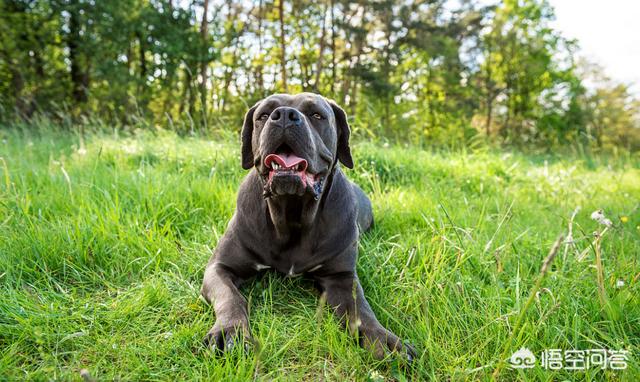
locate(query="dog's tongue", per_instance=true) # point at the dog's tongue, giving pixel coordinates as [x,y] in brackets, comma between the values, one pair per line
[285,160]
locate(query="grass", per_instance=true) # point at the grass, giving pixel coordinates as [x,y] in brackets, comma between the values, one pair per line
[103,243]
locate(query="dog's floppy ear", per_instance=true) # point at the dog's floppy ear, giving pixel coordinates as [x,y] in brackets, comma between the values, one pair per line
[344,152]
[247,136]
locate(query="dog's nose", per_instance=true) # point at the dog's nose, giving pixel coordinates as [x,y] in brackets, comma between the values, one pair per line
[286,115]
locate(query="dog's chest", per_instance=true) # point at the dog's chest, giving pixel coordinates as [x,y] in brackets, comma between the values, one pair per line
[292,261]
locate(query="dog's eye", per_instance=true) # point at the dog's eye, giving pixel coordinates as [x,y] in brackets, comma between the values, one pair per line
[263,116]
[317,116]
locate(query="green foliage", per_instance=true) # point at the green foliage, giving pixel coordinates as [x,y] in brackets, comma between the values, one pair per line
[611,109]
[104,238]
[431,72]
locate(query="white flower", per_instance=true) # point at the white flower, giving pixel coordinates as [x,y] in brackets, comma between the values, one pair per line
[619,284]
[598,216]
[375,375]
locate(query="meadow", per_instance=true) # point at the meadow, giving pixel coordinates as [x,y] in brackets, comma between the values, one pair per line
[104,237]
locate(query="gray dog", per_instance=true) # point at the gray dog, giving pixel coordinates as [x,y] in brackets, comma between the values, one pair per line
[297,213]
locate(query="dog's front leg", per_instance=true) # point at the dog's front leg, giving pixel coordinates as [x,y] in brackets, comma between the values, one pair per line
[344,293]
[220,288]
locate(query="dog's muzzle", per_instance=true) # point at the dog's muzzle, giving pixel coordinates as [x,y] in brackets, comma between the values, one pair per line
[288,175]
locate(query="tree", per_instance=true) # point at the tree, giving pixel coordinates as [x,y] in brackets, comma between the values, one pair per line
[283,44]
[613,112]
[521,68]
[432,71]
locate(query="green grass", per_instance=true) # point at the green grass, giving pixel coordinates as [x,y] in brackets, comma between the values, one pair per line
[103,244]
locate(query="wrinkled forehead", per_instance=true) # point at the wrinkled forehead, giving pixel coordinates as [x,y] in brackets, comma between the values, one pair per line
[304,102]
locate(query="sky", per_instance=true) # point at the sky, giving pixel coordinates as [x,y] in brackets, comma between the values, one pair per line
[608,32]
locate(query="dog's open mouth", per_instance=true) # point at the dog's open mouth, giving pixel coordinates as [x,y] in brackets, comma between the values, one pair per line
[283,164]
[291,170]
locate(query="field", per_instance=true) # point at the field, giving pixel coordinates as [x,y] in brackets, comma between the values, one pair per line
[104,239]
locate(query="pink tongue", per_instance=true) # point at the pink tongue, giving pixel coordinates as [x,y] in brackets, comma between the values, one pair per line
[285,160]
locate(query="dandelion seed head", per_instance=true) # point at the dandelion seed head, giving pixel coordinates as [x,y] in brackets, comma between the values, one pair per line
[598,215]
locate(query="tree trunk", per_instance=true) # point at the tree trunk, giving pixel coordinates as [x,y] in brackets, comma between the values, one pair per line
[386,68]
[204,30]
[228,77]
[333,49]
[79,79]
[37,58]
[489,90]
[141,100]
[429,98]
[129,57]
[489,113]
[283,58]
[348,56]
[259,67]
[316,81]
[303,63]
[185,91]
[192,94]
[143,60]
[17,84]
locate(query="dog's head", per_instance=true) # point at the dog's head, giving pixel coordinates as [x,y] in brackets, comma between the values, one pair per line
[294,142]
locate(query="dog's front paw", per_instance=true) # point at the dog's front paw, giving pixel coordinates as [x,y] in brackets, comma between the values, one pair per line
[409,351]
[225,338]
[381,342]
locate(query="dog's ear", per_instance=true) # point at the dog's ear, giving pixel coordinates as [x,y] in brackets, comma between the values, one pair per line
[343,150]
[247,136]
